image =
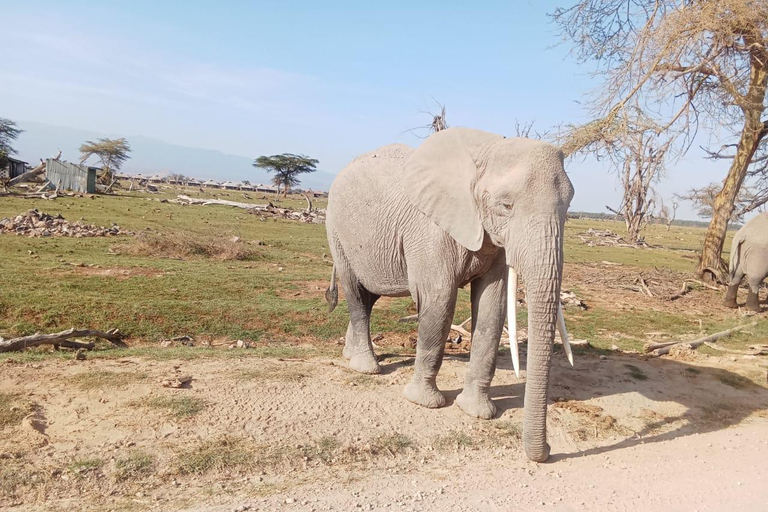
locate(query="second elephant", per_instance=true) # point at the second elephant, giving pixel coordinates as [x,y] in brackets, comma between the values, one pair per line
[749,257]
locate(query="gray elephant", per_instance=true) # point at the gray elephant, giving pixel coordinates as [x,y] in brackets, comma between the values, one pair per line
[466,207]
[749,256]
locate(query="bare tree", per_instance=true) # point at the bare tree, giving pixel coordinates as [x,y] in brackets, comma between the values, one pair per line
[437,124]
[639,156]
[703,201]
[686,61]
[665,215]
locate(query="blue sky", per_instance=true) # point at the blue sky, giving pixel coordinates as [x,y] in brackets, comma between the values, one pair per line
[329,79]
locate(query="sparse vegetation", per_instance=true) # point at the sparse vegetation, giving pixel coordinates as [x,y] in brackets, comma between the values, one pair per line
[452,440]
[222,454]
[136,464]
[82,467]
[101,379]
[13,408]
[636,373]
[179,407]
[393,443]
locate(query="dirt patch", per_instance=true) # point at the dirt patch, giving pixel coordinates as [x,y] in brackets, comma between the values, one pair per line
[119,273]
[185,245]
[107,434]
[309,289]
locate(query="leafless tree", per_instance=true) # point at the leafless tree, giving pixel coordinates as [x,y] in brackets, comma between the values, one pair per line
[703,201]
[438,122]
[693,63]
[639,155]
[667,216]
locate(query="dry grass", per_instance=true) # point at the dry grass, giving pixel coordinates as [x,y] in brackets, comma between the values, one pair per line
[181,245]
[452,440]
[88,381]
[13,408]
[135,464]
[276,373]
[222,454]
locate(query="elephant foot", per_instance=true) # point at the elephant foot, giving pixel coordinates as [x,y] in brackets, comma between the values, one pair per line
[753,303]
[424,394]
[364,363]
[477,406]
[346,352]
[730,297]
[537,454]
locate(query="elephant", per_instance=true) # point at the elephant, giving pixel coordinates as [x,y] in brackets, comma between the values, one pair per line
[465,207]
[749,256]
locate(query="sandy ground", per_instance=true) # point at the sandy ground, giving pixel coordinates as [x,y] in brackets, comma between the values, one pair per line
[627,433]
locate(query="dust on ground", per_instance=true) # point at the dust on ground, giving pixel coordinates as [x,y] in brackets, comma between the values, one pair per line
[627,433]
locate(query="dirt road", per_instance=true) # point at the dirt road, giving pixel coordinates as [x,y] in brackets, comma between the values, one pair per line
[627,433]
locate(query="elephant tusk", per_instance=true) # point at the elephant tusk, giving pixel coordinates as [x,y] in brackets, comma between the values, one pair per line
[564,333]
[512,319]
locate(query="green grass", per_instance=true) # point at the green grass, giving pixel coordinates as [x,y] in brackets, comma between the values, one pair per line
[176,291]
[178,407]
[136,464]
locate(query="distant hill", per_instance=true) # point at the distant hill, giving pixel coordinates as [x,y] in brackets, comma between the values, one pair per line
[152,156]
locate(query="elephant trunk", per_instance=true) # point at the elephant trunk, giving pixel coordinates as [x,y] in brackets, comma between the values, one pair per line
[541,267]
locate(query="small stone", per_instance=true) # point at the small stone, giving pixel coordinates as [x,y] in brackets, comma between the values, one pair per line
[603,358]
[289,501]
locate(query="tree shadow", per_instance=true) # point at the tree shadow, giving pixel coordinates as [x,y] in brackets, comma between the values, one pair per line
[710,399]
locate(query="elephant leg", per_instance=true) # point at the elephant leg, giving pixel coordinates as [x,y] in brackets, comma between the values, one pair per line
[733,289]
[358,347]
[488,314]
[753,302]
[435,316]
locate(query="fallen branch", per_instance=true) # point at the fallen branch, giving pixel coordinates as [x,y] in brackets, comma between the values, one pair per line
[660,349]
[206,202]
[705,285]
[309,203]
[461,330]
[61,339]
[645,287]
[409,318]
[679,294]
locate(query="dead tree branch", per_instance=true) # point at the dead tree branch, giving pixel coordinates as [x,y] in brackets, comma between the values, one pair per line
[62,339]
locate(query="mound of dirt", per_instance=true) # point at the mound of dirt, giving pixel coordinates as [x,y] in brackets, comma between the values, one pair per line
[35,224]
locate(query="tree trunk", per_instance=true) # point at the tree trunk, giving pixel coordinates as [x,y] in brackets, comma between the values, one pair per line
[711,266]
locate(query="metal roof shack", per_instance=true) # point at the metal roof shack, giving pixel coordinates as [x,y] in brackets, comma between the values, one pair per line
[68,176]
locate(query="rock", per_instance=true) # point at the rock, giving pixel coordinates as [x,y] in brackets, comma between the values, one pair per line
[603,358]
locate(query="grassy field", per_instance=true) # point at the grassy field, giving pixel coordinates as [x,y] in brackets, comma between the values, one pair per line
[273,295]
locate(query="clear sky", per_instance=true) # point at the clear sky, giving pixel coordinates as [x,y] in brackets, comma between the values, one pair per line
[329,79]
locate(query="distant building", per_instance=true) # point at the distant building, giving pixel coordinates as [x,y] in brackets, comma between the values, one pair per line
[15,168]
[211,183]
[230,185]
[247,186]
[270,189]
[156,179]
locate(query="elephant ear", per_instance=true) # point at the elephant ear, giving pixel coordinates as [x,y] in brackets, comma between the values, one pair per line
[438,182]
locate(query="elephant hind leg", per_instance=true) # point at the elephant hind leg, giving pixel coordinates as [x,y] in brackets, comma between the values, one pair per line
[733,289]
[358,347]
[753,302]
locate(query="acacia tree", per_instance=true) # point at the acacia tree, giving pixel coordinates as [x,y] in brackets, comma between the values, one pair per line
[703,201]
[286,168]
[8,133]
[112,153]
[694,63]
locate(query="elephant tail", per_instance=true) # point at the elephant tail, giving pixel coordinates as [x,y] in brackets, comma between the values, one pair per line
[332,293]
[733,265]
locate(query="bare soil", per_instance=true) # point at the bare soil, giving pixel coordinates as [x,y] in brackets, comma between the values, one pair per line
[627,433]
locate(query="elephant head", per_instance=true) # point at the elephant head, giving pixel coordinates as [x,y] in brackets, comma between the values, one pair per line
[475,184]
